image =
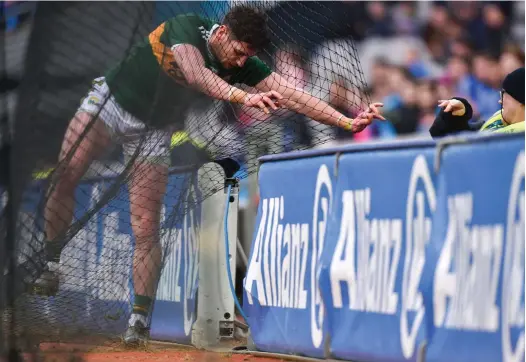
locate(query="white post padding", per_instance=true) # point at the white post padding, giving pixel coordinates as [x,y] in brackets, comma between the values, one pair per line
[215,302]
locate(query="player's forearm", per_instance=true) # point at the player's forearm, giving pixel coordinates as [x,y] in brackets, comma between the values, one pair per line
[210,84]
[198,76]
[312,107]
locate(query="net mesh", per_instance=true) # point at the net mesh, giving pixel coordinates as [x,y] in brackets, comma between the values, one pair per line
[127,127]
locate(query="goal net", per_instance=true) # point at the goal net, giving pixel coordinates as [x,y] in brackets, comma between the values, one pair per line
[89,154]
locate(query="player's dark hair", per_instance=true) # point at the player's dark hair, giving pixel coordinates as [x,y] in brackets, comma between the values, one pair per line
[248,24]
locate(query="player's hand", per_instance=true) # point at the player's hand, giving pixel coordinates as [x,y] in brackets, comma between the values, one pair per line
[454,106]
[264,100]
[374,112]
[365,118]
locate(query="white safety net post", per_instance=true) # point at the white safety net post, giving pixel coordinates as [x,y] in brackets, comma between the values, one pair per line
[215,301]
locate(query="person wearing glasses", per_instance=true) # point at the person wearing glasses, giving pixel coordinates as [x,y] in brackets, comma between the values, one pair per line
[456,112]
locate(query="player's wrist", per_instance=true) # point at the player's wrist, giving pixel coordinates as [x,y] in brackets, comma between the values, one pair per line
[236,95]
[344,122]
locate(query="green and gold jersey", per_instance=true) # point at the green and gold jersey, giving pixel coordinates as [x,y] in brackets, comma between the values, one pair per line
[496,125]
[148,82]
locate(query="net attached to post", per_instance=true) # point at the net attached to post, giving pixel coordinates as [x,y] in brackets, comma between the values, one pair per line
[106,125]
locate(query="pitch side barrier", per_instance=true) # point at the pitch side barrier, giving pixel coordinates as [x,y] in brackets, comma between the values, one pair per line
[96,292]
[401,251]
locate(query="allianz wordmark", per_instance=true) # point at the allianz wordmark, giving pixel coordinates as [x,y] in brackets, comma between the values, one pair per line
[477,262]
[366,257]
[369,251]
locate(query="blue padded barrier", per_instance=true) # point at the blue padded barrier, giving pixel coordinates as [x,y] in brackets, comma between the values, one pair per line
[474,278]
[281,299]
[374,252]
[418,253]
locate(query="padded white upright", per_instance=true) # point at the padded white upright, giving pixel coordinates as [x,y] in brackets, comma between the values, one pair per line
[215,302]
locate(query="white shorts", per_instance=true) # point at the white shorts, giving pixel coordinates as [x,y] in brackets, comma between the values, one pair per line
[124,128]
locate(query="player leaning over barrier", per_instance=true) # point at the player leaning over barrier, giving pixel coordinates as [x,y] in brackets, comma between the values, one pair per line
[143,96]
[456,112]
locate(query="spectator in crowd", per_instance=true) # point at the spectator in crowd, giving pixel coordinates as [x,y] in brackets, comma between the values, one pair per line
[495,28]
[402,110]
[289,62]
[511,58]
[457,112]
[457,69]
[381,19]
[433,33]
[461,47]
[416,65]
[481,86]
[469,49]
[405,21]
[426,90]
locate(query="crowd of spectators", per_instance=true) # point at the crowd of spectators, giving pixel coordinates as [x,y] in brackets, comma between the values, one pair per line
[416,53]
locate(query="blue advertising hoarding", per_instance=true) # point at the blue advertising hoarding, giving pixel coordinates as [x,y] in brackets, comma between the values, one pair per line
[423,246]
[475,274]
[281,298]
[374,254]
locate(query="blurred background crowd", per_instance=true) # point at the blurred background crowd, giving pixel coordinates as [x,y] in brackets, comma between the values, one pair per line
[439,50]
[416,53]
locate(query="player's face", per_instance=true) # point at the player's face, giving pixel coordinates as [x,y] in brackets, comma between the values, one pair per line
[232,53]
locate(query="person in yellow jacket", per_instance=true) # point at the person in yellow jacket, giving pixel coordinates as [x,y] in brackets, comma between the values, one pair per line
[456,112]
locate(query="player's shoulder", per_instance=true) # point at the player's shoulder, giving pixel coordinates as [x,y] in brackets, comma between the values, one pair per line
[190,20]
[254,61]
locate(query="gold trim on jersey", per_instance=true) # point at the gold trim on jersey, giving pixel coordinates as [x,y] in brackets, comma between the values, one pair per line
[161,52]
[164,55]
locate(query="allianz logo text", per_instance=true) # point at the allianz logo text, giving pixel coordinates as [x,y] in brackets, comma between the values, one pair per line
[285,260]
[368,254]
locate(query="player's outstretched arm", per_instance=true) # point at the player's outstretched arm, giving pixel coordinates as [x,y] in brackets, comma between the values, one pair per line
[192,65]
[302,102]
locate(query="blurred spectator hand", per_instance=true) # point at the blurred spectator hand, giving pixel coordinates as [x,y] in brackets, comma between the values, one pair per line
[453,105]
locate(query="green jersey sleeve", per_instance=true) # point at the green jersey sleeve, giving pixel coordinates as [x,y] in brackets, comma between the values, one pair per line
[253,72]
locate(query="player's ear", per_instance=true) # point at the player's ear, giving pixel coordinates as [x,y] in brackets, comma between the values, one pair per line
[222,31]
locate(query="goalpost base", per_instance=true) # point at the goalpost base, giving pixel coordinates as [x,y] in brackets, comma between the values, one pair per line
[215,300]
